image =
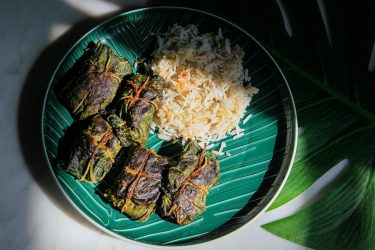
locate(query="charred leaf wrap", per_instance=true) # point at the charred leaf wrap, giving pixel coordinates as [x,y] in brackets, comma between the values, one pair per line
[139,101]
[91,84]
[137,188]
[188,184]
[121,129]
[93,152]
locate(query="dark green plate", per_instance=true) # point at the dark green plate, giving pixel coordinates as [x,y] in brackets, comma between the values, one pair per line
[250,178]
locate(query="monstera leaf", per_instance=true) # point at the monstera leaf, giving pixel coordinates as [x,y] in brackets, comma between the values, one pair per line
[327,54]
[327,51]
[343,218]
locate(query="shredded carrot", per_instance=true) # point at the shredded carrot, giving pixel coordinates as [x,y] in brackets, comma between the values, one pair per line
[180,85]
[187,91]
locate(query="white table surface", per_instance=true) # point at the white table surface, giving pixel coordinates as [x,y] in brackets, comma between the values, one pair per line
[33,212]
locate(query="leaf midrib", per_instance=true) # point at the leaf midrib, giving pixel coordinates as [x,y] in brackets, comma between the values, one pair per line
[343,99]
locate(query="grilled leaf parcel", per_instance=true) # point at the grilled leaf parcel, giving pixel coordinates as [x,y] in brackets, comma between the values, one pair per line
[118,113]
[137,189]
[91,84]
[91,154]
[139,99]
[188,184]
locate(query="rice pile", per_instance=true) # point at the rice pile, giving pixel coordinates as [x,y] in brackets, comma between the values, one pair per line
[204,98]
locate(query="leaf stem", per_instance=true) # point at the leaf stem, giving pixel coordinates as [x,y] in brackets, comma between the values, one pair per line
[315,103]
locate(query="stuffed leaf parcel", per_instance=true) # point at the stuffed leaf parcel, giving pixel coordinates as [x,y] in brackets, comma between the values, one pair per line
[90,155]
[91,84]
[188,184]
[137,189]
[139,100]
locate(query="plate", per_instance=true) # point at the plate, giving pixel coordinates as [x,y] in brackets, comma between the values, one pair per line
[251,177]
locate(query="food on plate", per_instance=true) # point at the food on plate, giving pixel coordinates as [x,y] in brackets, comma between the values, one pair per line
[91,84]
[137,189]
[207,90]
[123,132]
[194,91]
[91,155]
[140,98]
[188,184]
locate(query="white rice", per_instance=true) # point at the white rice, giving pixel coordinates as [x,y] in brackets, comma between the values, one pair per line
[204,98]
[217,152]
[164,137]
[238,136]
[247,118]
[222,146]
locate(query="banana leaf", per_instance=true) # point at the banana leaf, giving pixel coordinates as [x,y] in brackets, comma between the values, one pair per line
[91,84]
[188,184]
[89,155]
[137,189]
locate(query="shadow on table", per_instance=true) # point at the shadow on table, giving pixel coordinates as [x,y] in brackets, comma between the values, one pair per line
[30,109]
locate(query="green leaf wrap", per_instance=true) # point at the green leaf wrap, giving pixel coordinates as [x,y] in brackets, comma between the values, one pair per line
[90,156]
[91,84]
[188,184]
[137,189]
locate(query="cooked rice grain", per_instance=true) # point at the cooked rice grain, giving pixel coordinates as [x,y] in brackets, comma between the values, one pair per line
[205,96]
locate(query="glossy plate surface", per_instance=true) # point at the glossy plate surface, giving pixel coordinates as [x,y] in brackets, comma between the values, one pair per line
[250,178]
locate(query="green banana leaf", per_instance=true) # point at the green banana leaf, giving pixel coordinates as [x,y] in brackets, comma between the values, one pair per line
[327,51]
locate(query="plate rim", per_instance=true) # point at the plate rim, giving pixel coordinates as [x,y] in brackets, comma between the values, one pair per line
[241,227]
